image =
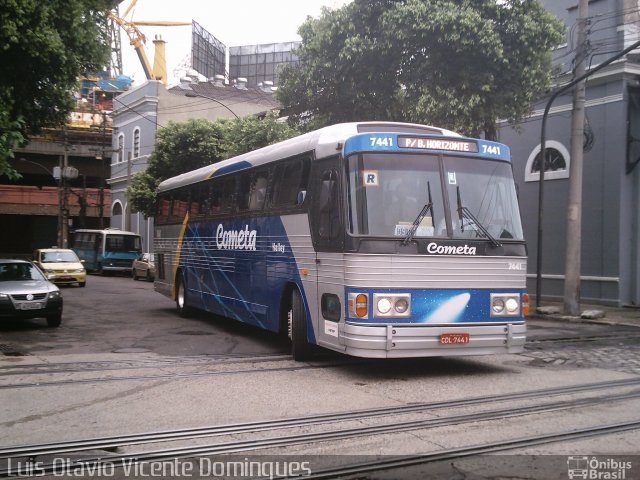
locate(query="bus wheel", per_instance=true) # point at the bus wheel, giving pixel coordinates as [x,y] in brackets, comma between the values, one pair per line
[297,325]
[181,298]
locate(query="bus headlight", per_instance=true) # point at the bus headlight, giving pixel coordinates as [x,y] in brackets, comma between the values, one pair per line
[384,305]
[394,305]
[505,304]
[512,305]
[497,305]
[401,305]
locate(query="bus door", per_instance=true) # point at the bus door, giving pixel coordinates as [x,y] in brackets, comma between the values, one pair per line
[327,223]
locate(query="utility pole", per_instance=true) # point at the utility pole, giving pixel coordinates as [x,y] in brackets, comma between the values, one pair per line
[102,160]
[574,210]
[65,192]
[128,212]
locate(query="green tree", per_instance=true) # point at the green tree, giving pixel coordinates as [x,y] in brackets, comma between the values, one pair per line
[45,46]
[245,134]
[458,64]
[180,147]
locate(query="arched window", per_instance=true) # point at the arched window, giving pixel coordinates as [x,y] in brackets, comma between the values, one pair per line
[136,142]
[117,209]
[556,165]
[120,151]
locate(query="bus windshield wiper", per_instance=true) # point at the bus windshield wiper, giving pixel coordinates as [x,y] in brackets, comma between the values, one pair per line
[464,212]
[423,213]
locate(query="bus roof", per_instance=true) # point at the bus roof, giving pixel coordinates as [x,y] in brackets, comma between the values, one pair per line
[106,230]
[324,142]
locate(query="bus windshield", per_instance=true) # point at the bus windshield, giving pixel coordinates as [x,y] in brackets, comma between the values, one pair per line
[394,195]
[123,243]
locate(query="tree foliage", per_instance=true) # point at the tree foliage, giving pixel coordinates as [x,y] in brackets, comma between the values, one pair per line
[180,147]
[185,146]
[45,46]
[245,134]
[458,64]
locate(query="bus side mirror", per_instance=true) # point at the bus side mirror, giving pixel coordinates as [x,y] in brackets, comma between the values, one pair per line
[302,194]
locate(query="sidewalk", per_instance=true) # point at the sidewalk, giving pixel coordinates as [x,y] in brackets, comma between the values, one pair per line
[602,314]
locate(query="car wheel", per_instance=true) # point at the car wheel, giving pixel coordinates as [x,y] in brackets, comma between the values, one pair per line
[54,320]
[184,310]
[300,348]
[148,277]
[82,284]
[133,274]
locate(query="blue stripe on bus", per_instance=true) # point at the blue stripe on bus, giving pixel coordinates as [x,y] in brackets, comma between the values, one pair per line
[234,167]
[227,277]
[436,306]
[388,142]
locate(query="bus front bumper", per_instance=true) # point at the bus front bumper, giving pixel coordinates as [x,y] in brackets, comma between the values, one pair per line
[388,341]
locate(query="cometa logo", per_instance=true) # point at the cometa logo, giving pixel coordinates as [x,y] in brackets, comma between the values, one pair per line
[434,248]
[235,239]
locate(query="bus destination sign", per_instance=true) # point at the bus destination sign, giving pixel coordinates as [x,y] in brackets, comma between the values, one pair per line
[448,144]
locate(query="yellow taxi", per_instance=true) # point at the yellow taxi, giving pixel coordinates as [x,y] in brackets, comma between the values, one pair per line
[60,266]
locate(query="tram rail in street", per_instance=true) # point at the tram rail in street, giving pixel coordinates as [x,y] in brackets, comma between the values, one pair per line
[110,443]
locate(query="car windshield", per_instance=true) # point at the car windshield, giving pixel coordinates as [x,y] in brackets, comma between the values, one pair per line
[11,272]
[402,196]
[58,257]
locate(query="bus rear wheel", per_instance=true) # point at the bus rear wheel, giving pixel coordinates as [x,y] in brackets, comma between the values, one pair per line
[181,298]
[301,350]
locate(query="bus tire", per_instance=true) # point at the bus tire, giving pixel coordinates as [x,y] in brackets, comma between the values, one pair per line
[181,298]
[301,350]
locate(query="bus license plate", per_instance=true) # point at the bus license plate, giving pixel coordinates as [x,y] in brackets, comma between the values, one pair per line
[454,338]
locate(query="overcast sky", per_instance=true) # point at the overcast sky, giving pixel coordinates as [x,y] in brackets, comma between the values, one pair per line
[234,23]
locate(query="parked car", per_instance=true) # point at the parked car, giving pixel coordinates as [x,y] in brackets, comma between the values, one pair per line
[61,266]
[144,267]
[26,293]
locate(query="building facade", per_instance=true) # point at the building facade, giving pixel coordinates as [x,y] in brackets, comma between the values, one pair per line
[610,240]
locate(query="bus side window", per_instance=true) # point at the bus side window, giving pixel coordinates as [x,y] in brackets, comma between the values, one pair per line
[258,190]
[223,195]
[164,202]
[290,183]
[328,205]
[244,191]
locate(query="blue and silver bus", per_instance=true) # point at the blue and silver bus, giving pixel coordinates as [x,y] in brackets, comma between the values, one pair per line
[373,239]
[107,251]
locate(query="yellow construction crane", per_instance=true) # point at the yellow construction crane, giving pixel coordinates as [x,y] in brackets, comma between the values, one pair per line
[138,39]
